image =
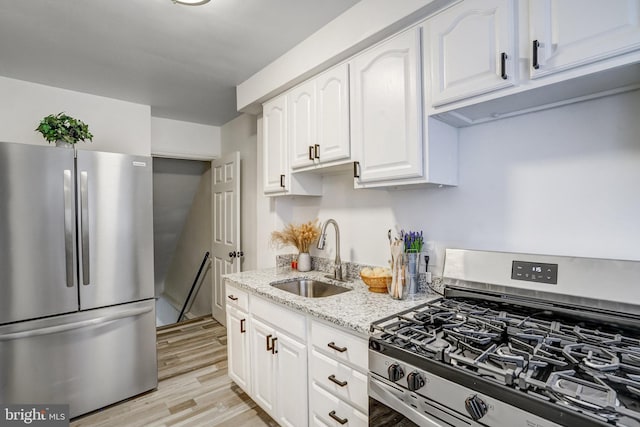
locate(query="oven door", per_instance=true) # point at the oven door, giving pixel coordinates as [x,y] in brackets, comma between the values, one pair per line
[392,405]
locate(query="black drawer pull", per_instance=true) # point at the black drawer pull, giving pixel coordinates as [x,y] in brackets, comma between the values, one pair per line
[316,151]
[356,167]
[333,415]
[311,152]
[333,379]
[269,347]
[282,181]
[503,66]
[242,328]
[336,348]
[232,298]
[534,59]
[273,345]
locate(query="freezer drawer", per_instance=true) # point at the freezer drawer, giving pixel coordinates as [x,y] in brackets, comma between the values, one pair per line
[88,360]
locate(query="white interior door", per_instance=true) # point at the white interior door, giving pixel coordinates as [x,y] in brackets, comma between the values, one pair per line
[226,253]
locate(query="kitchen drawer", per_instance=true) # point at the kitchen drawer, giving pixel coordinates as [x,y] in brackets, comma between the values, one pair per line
[340,345]
[237,298]
[322,405]
[293,323]
[354,389]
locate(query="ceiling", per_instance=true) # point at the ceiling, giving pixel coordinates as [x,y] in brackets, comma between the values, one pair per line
[183,61]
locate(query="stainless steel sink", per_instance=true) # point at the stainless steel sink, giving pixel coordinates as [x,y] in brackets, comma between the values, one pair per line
[310,288]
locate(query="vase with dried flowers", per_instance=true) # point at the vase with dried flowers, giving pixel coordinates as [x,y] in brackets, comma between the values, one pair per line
[302,236]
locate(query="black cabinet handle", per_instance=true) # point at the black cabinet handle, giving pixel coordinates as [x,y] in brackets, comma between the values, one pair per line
[356,167]
[282,181]
[232,254]
[311,152]
[534,58]
[242,328]
[503,66]
[241,254]
[232,298]
[333,415]
[333,379]
[336,348]
[316,151]
[273,345]
[269,347]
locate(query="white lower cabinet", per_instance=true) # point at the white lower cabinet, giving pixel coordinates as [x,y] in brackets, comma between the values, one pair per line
[301,371]
[338,370]
[279,366]
[238,346]
[267,353]
[327,409]
[263,367]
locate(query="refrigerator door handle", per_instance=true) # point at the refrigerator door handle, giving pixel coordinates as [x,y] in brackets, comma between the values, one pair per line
[76,325]
[68,226]
[84,225]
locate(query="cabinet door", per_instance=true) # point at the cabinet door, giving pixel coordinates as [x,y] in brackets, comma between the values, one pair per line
[571,33]
[302,124]
[386,110]
[263,368]
[274,144]
[472,50]
[238,347]
[333,114]
[291,384]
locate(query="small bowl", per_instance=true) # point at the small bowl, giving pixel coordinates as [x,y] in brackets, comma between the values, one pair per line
[377,284]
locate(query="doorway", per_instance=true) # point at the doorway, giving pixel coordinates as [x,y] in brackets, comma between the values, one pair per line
[182,236]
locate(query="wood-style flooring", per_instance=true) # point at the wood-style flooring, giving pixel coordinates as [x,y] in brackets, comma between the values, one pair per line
[193,387]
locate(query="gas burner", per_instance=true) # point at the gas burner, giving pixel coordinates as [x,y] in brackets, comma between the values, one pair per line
[592,357]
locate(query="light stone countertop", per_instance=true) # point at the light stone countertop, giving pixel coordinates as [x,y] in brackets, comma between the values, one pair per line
[354,310]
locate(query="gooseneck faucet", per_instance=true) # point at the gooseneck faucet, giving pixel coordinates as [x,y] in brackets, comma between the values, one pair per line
[337,264]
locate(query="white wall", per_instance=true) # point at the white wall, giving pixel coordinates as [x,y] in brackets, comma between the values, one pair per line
[184,140]
[117,126]
[562,181]
[240,134]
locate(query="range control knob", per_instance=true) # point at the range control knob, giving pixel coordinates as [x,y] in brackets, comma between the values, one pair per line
[395,372]
[415,381]
[475,407]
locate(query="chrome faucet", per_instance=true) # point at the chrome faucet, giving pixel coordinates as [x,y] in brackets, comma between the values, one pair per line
[337,264]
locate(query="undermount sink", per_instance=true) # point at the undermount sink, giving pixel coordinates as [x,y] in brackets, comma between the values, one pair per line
[310,288]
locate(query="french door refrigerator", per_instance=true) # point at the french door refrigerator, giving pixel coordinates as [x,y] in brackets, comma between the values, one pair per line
[77,314]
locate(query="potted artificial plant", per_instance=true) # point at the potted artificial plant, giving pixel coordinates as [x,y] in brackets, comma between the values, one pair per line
[64,130]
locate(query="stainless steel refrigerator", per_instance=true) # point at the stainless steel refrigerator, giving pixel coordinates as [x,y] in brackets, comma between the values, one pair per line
[77,314]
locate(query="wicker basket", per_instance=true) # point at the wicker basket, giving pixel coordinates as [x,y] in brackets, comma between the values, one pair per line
[377,284]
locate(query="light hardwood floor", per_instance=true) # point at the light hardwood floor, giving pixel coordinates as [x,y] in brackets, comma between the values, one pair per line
[193,387]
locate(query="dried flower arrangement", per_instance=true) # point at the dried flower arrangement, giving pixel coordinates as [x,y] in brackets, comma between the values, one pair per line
[301,236]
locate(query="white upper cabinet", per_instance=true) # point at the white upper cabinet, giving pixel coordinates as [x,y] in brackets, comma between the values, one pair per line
[386,110]
[392,142]
[333,114]
[569,33]
[302,124]
[277,177]
[318,119]
[275,145]
[471,47]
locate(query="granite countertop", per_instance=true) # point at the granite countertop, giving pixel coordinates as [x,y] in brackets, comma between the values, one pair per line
[354,310]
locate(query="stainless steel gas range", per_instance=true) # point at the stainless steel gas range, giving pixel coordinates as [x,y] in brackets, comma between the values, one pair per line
[516,340]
